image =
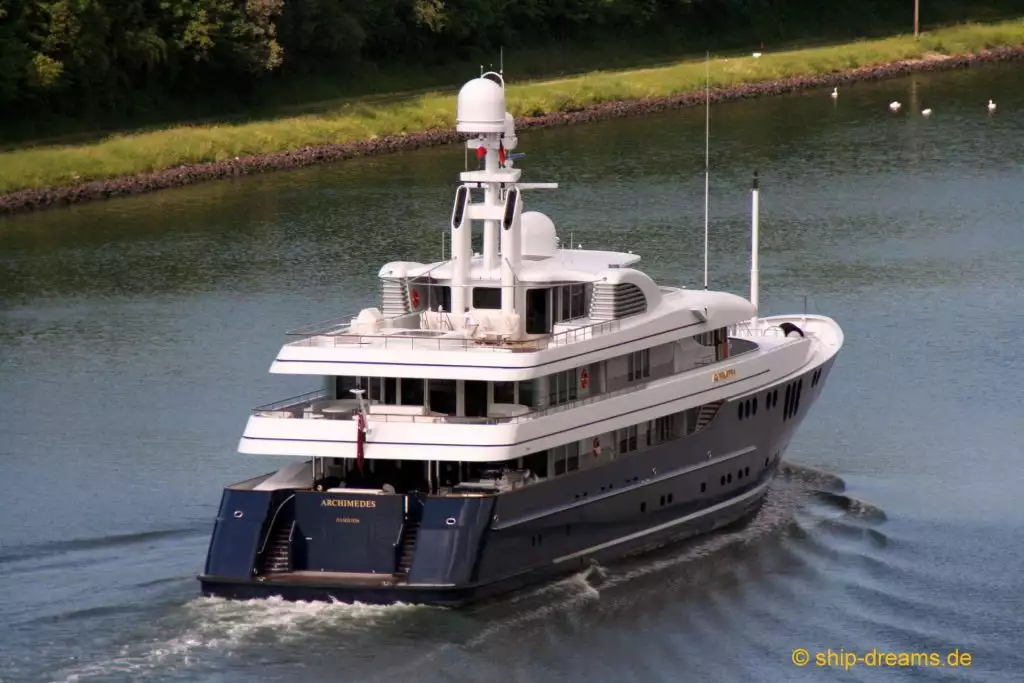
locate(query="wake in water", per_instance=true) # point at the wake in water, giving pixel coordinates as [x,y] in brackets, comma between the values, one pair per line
[210,634]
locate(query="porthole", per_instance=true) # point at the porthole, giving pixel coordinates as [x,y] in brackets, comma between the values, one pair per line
[643,507]
[723,480]
[755,406]
[739,475]
[746,408]
[238,514]
[450,521]
[670,499]
[661,501]
[703,487]
[740,411]
[728,478]
[746,471]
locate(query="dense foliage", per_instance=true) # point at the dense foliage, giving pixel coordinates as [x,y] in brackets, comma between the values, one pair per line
[75,58]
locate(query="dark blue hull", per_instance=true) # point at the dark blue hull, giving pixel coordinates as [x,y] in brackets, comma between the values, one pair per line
[387,590]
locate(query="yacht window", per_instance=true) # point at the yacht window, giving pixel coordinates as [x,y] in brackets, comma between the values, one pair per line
[439,295]
[666,428]
[412,391]
[487,297]
[528,393]
[504,392]
[442,396]
[562,387]
[576,307]
[627,439]
[391,390]
[537,463]
[537,307]
[572,459]
[344,385]
[639,365]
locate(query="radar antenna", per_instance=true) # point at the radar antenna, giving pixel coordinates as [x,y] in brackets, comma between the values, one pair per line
[707,149]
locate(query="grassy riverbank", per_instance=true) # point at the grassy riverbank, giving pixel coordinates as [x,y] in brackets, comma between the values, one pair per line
[128,155]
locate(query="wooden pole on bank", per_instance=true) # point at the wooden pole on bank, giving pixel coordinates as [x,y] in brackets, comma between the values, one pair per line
[917,4]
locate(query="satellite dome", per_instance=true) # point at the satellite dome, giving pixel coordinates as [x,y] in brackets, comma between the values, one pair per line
[481,107]
[539,236]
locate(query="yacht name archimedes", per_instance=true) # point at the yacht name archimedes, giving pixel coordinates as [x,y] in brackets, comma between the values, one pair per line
[347,503]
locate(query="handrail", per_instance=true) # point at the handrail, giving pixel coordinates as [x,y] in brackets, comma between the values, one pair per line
[398,539]
[273,520]
[392,337]
[301,398]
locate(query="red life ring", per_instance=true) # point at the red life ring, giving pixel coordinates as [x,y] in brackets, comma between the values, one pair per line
[414,296]
[597,447]
[584,380]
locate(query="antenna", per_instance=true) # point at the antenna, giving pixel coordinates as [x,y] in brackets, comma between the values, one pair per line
[501,62]
[707,151]
[754,229]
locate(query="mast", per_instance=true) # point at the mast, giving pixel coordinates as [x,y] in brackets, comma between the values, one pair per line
[707,153]
[754,229]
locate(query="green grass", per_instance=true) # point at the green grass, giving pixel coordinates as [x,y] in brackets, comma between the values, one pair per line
[349,120]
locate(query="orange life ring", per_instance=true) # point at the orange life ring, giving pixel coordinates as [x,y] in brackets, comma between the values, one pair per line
[414,296]
[584,380]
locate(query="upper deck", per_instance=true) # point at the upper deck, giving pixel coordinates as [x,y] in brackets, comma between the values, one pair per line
[434,345]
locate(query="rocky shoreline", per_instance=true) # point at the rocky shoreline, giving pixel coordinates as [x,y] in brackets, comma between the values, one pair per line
[33,199]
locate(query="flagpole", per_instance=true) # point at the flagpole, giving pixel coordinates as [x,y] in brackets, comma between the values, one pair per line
[707,151]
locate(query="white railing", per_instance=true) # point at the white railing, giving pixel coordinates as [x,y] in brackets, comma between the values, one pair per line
[331,333]
[290,404]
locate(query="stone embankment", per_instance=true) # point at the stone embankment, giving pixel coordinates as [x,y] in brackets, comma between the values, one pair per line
[30,199]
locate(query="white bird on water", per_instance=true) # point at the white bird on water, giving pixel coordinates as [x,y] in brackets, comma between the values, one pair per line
[757,55]
[835,93]
[895,106]
[926,112]
[991,105]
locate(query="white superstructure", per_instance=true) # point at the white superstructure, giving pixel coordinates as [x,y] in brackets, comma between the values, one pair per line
[527,348]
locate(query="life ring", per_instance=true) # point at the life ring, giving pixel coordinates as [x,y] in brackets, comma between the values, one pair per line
[597,447]
[414,297]
[584,379]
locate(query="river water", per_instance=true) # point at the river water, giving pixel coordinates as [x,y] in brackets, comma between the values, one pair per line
[137,333]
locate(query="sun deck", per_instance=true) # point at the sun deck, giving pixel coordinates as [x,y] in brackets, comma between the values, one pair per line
[431,331]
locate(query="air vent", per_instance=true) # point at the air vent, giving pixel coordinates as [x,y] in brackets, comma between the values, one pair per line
[616,301]
[394,298]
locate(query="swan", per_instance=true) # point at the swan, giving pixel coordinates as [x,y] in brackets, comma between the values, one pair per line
[835,93]
[926,112]
[991,105]
[895,106]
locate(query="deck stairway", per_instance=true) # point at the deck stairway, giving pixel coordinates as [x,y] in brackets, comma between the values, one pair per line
[407,548]
[707,414]
[278,558]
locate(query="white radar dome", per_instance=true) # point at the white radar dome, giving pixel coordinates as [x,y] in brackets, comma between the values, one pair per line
[481,107]
[539,236]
